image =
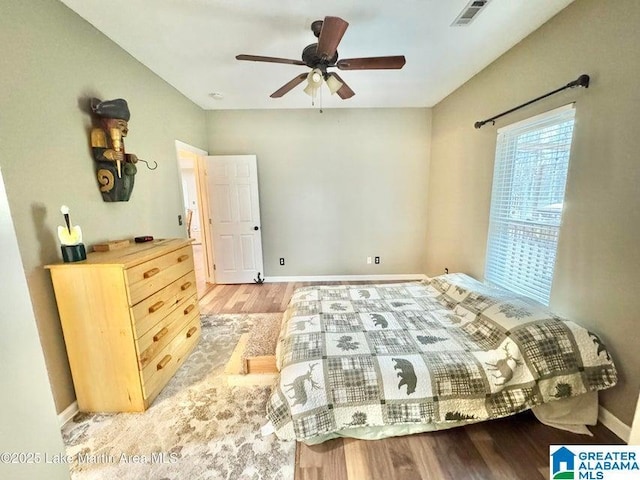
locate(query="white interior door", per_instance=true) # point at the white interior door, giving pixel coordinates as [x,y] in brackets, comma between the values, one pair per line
[232,182]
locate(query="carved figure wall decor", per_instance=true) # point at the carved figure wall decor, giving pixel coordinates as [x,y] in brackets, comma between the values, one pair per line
[116,169]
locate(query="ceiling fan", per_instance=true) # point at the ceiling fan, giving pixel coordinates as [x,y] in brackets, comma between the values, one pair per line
[323,55]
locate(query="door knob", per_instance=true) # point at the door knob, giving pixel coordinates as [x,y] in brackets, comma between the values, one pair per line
[256,228]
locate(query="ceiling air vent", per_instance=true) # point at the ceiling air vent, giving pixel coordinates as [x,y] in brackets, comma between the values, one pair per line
[470,12]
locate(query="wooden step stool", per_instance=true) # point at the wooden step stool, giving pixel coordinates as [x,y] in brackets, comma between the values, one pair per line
[253,361]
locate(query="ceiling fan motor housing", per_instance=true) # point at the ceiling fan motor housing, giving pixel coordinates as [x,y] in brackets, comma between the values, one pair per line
[311,58]
[316,27]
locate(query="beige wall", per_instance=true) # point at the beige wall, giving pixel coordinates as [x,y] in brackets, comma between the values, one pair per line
[598,265]
[634,438]
[52,61]
[335,187]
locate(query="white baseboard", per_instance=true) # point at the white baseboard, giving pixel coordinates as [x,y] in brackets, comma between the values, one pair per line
[346,278]
[68,413]
[614,424]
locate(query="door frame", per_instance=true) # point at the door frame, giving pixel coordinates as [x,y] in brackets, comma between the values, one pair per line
[196,155]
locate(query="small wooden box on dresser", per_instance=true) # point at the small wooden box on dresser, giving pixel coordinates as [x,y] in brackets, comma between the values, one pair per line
[130,318]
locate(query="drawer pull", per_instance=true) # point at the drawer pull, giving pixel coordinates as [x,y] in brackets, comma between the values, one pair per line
[156,306]
[160,334]
[151,273]
[163,362]
[188,309]
[191,331]
[185,286]
[182,258]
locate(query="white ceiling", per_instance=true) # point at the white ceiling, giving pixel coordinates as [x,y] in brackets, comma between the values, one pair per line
[192,45]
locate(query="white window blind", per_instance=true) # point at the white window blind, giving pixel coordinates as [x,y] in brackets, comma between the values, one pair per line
[530,174]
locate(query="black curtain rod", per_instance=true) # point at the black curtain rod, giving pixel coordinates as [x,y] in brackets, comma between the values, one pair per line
[581,81]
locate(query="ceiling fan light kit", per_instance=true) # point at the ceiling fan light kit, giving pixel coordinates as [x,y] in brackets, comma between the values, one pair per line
[334,84]
[315,77]
[323,55]
[314,82]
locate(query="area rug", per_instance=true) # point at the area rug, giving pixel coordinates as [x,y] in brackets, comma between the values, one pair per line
[197,428]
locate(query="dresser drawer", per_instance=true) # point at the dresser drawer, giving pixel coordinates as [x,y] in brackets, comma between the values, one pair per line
[147,313]
[163,332]
[124,322]
[149,277]
[163,366]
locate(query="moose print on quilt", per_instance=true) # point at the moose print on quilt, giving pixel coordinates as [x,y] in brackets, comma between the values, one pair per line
[448,349]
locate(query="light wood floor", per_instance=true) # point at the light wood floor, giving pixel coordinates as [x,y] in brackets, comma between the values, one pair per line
[253,298]
[513,448]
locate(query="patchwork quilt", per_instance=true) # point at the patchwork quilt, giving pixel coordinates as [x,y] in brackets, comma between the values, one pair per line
[446,350]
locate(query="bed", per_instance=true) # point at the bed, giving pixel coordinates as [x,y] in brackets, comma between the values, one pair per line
[373,361]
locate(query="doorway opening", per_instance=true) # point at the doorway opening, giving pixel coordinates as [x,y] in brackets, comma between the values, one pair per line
[196,214]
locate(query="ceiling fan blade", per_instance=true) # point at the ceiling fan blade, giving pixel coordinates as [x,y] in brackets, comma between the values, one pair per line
[345,91]
[258,58]
[333,29]
[372,63]
[287,87]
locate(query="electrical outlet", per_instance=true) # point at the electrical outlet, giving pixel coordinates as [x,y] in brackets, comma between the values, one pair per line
[281,261]
[368,260]
[377,260]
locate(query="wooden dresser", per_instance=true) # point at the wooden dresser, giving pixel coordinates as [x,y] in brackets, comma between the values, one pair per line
[130,318]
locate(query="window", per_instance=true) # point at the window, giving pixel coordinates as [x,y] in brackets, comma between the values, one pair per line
[530,173]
